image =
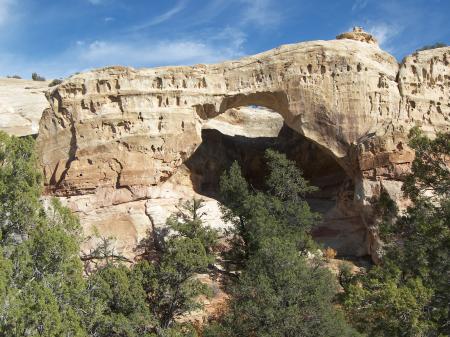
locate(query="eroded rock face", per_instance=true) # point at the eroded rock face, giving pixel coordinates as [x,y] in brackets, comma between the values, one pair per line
[384,158]
[115,141]
[424,82]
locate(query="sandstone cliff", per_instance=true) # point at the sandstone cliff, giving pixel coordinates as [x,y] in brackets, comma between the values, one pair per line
[121,146]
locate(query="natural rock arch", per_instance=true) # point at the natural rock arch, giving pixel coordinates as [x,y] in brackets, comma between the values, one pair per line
[314,86]
[115,139]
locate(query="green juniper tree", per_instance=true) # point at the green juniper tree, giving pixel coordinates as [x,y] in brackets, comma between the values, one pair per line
[20,187]
[433,46]
[45,293]
[280,292]
[281,210]
[41,275]
[188,223]
[126,311]
[187,251]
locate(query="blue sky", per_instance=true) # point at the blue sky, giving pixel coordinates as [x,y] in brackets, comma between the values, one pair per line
[59,37]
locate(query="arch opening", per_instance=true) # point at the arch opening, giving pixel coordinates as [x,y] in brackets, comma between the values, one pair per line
[243,135]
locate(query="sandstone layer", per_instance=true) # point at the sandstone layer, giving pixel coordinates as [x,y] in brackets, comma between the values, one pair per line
[117,143]
[21,105]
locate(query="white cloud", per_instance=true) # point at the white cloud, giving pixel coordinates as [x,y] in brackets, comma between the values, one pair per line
[384,32]
[180,5]
[136,49]
[261,12]
[96,2]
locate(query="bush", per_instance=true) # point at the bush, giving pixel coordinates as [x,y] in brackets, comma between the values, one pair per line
[36,77]
[345,275]
[433,46]
[56,81]
[14,76]
[329,253]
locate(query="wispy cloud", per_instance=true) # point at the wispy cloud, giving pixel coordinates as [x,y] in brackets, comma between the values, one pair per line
[261,12]
[84,55]
[5,10]
[180,5]
[96,2]
[359,4]
[384,33]
[210,11]
[151,53]
[402,26]
[231,36]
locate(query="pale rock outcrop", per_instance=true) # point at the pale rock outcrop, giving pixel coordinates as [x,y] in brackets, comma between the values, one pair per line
[21,105]
[115,141]
[424,82]
[249,122]
[358,34]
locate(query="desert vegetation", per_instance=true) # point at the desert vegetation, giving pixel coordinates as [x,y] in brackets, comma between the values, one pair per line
[36,77]
[54,82]
[433,46]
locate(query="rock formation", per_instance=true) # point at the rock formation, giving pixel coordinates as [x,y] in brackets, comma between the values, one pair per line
[21,105]
[358,34]
[121,146]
